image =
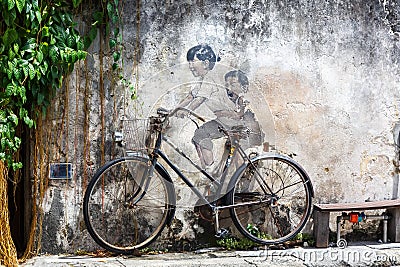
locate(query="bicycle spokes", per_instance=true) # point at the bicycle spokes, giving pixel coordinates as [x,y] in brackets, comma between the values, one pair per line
[121,211]
[273,197]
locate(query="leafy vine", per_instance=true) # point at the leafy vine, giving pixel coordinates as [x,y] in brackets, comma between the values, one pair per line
[39,47]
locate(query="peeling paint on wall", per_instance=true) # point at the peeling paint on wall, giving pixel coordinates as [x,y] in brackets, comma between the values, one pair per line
[329,72]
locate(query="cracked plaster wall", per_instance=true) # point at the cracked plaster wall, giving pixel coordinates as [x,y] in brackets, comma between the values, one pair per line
[329,71]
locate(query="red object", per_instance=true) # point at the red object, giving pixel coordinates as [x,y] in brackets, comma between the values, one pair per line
[353,217]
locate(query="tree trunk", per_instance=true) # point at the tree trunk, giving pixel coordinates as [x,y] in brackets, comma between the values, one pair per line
[8,252]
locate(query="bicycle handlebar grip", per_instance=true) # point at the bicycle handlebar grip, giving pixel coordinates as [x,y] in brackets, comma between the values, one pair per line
[163,111]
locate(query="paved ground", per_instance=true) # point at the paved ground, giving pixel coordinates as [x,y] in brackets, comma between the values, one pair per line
[353,255]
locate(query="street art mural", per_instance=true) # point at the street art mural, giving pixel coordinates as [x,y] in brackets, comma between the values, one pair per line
[225,98]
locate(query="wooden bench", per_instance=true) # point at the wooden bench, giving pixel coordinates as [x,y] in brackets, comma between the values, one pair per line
[322,212]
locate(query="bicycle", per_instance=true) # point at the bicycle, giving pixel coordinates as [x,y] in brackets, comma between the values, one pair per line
[131,199]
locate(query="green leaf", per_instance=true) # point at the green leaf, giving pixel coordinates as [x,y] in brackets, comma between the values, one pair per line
[9,17]
[32,15]
[9,73]
[40,98]
[28,121]
[31,41]
[22,93]
[116,32]
[25,69]
[23,114]
[10,4]
[38,75]
[60,81]
[110,9]
[13,118]
[11,54]
[71,41]
[112,43]
[16,47]
[79,45]
[17,74]
[54,71]
[44,67]
[17,142]
[16,165]
[20,5]
[10,36]
[31,71]
[39,56]
[10,89]
[53,53]
[35,4]
[11,66]
[82,55]
[115,18]
[45,31]
[52,40]
[76,3]
[38,16]
[116,56]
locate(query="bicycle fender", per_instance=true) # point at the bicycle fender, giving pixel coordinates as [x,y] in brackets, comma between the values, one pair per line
[243,167]
[171,213]
[301,169]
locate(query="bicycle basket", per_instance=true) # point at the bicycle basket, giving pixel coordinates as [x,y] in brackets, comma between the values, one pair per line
[137,135]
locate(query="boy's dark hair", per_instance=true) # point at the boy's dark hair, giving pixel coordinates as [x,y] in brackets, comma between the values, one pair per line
[242,78]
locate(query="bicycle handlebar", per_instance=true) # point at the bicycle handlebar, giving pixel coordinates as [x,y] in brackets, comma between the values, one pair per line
[169,113]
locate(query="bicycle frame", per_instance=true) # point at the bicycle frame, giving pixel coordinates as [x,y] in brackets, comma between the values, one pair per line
[234,148]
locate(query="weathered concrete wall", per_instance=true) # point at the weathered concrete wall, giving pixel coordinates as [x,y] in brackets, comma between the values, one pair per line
[329,71]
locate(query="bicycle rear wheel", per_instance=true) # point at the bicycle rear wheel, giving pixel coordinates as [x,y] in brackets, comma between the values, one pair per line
[122,211]
[272,199]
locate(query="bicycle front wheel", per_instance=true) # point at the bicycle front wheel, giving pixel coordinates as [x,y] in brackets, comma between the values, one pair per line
[271,199]
[126,209]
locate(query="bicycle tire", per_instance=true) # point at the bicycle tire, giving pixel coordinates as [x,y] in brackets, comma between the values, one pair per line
[118,216]
[277,214]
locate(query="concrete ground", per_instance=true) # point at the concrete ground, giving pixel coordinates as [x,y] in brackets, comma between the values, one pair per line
[360,254]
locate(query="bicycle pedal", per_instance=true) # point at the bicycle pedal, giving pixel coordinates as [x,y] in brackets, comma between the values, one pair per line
[222,233]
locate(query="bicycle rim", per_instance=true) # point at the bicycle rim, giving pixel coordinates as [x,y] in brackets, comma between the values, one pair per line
[278,197]
[119,216]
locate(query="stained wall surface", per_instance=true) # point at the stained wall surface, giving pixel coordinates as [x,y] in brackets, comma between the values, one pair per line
[327,73]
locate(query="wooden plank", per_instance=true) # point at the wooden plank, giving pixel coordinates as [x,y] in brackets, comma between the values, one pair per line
[394,224]
[321,229]
[358,206]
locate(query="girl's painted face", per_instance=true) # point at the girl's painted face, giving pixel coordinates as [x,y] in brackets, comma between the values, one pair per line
[198,68]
